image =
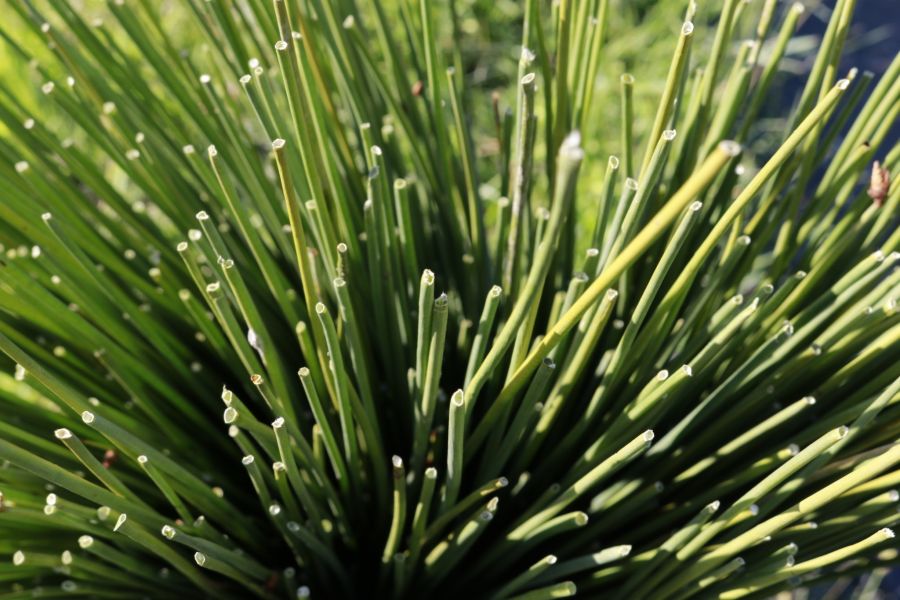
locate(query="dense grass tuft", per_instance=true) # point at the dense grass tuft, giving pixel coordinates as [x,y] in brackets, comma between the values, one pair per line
[342,299]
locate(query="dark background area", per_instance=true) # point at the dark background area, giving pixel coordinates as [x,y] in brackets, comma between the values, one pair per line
[872,43]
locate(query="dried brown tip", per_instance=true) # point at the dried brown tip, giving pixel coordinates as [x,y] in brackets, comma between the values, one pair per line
[879,183]
[109,458]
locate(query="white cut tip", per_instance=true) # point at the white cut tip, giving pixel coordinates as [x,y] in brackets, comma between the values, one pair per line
[730,147]
[571,146]
[120,521]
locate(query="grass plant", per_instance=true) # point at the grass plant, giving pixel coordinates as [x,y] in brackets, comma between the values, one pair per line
[296,305]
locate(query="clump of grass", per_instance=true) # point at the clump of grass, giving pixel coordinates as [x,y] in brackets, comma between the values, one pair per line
[282,324]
